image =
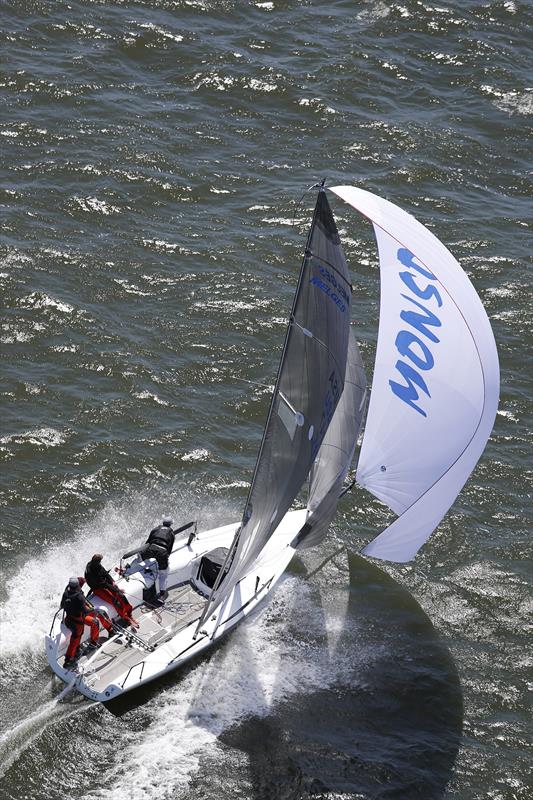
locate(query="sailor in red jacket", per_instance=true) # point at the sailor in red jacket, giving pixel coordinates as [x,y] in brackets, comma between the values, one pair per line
[78,613]
[103,586]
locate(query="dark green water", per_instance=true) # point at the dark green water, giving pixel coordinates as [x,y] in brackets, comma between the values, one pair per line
[153,155]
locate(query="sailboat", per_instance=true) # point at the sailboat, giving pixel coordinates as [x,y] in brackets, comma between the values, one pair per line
[432,407]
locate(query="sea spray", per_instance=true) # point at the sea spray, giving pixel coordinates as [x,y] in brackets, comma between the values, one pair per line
[274,656]
[112,531]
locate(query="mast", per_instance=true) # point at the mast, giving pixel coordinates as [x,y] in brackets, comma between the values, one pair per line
[288,333]
[308,386]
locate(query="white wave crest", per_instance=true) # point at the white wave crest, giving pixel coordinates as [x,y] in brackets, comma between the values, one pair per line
[43,437]
[196,455]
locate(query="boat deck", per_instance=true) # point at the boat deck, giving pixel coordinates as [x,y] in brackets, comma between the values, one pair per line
[124,651]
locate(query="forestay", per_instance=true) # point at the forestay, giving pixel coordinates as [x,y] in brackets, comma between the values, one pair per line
[436,380]
[309,384]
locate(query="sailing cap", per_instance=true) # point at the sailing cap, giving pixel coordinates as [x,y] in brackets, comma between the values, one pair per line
[168,522]
[74,582]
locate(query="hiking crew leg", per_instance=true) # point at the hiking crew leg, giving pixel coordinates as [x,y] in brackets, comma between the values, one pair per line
[163,578]
[122,603]
[92,621]
[104,621]
[161,556]
[116,599]
[75,627]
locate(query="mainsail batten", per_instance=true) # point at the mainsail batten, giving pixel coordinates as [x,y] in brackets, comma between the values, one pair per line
[436,380]
[309,385]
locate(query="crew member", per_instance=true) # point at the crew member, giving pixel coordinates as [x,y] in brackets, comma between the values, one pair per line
[78,613]
[103,586]
[160,544]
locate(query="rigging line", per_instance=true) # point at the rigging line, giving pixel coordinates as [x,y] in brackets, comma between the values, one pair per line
[326,561]
[270,387]
[293,322]
[338,447]
[299,203]
[347,489]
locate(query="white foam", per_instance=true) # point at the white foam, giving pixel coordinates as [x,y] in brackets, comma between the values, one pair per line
[218,82]
[514,101]
[130,288]
[261,86]
[43,437]
[200,454]
[95,204]
[161,31]
[161,244]
[145,395]
[18,739]
[40,300]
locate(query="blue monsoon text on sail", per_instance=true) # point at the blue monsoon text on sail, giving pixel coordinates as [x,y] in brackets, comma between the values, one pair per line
[410,345]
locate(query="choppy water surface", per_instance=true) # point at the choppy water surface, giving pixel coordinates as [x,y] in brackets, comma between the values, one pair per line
[153,158]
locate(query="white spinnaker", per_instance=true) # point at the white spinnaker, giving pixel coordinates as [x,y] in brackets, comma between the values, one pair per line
[436,379]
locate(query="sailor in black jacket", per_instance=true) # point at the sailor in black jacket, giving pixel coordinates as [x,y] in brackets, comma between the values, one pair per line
[78,613]
[97,575]
[74,603]
[160,544]
[103,586]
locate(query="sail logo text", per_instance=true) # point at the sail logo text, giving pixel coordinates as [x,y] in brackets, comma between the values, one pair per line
[332,288]
[413,343]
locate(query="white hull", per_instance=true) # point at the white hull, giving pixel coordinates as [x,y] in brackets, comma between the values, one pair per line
[166,637]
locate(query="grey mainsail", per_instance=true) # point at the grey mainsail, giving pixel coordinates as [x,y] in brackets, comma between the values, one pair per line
[308,388]
[336,452]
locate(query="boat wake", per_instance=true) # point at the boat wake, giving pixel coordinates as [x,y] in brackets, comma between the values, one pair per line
[24,679]
[266,661]
[262,663]
[14,742]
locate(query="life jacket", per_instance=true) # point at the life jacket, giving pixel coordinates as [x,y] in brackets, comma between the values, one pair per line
[74,603]
[162,537]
